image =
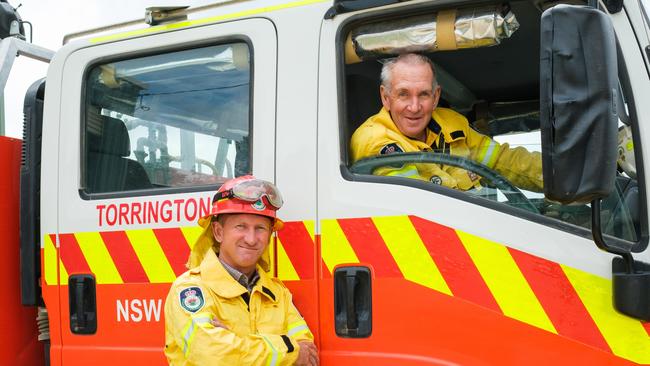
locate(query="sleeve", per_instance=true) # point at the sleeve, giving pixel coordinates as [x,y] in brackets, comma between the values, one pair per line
[198,342]
[521,167]
[297,327]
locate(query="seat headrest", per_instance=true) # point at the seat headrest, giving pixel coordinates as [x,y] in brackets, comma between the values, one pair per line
[114,138]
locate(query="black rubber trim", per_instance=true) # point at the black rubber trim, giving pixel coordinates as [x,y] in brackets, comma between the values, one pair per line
[287,341]
[624,80]
[434,126]
[342,7]
[247,298]
[457,134]
[268,292]
[215,41]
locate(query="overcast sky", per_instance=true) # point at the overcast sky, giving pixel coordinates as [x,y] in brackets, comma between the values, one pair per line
[54,19]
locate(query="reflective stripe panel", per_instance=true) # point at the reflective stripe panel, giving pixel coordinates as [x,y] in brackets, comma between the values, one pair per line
[286,272]
[191,233]
[299,246]
[408,171]
[417,250]
[409,252]
[488,153]
[625,336]
[151,256]
[63,274]
[201,320]
[98,258]
[296,328]
[273,354]
[335,248]
[310,226]
[49,260]
[506,282]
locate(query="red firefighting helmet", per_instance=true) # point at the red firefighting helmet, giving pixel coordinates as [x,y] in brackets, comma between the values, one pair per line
[248,195]
[245,194]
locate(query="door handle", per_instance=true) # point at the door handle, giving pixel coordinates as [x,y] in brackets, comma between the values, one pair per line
[353,302]
[82,304]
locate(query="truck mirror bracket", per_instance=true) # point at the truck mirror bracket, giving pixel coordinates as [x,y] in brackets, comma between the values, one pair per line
[630,278]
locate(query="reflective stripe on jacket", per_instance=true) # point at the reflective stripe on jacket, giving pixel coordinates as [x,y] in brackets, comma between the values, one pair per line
[448,132]
[265,331]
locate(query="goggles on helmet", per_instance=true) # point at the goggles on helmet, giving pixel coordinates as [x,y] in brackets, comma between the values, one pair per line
[252,191]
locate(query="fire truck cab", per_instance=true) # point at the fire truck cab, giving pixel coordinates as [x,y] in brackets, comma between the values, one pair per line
[135,127]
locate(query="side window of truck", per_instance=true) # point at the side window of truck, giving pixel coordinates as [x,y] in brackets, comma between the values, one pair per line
[176,119]
[490,87]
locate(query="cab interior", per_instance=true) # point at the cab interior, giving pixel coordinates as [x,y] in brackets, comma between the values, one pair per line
[498,89]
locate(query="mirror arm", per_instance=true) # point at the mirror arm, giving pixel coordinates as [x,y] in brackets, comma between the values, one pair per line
[597,233]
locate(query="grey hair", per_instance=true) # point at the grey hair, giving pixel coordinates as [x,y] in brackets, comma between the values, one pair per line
[409,58]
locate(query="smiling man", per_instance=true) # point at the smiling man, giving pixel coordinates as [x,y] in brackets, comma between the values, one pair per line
[227,310]
[411,121]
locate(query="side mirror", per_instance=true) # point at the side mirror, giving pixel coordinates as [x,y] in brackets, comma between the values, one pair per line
[578,121]
[578,94]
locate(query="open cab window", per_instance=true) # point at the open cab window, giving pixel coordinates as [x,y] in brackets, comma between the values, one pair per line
[488,67]
[177,119]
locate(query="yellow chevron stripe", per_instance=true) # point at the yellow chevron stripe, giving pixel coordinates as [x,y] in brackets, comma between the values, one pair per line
[191,233]
[409,252]
[505,281]
[98,258]
[151,256]
[286,271]
[310,226]
[63,274]
[335,248]
[626,337]
[49,261]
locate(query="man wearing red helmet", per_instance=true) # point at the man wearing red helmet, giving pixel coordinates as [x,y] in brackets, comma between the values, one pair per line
[226,310]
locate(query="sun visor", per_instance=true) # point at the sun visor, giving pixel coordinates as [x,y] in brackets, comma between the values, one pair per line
[445,30]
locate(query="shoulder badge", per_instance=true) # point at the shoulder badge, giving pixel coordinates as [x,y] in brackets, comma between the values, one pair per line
[191,299]
[390,149]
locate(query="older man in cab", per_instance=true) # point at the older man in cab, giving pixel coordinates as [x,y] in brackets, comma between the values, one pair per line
[410,121]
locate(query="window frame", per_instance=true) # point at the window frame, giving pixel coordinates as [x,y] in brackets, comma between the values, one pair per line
[87,196]
[411,9]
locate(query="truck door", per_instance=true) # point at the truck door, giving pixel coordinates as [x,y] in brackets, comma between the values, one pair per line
[417,273]
[150,126]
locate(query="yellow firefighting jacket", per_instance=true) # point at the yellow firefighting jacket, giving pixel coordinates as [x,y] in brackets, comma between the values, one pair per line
[264,331]
[448,132]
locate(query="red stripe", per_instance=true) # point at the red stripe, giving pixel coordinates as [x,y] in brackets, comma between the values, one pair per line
[369,246]
[173,243]
[299,247]
[72,256]
[454,263]
[325,271]
[124,257]
[646,325]
[559,299]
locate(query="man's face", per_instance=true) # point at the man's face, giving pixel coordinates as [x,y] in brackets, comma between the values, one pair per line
[411,98]
[243,238]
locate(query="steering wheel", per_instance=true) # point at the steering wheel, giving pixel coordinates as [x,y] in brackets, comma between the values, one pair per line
[512,193]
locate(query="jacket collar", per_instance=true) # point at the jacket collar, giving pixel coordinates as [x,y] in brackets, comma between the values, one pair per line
[439,117]
[385,119]
[217,279]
